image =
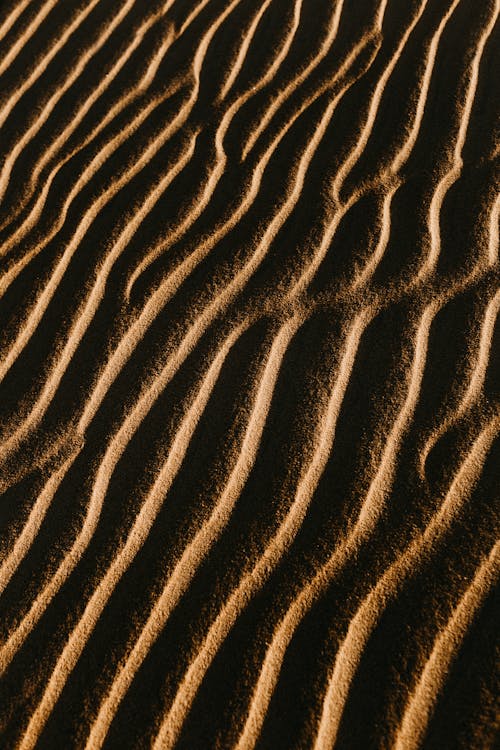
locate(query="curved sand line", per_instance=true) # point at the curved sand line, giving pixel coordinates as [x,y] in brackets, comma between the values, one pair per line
[42,64]
[494,241]
[296,82]
[150,509]
[135,417]
[423,699]
[476,382]
[245,46]
[27,33]
[30,529]
[275,549]
[11,19]
[302,76]
[172,283]
[50,105]
[367,616]
[198,548]
[354,155]
[112,456]
[92,301]
[264,166]
[77,118]
[369,513]
[218,169]
[87,174]
[89,216]
[145,81]
[49,290]
[390,177]
[453,173]
[372,506]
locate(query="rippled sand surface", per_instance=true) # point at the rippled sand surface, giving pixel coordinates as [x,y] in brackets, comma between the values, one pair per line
[249,374]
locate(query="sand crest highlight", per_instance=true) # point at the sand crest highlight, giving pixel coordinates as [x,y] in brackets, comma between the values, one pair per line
[237,426]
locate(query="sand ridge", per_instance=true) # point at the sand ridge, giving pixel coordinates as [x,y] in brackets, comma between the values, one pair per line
[249,408]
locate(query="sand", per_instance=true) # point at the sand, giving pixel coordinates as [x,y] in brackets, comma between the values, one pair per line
[249,375]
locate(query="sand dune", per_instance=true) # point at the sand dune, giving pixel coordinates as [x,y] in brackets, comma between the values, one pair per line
[249,404]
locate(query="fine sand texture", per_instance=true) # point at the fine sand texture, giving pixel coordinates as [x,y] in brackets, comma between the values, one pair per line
[249,374]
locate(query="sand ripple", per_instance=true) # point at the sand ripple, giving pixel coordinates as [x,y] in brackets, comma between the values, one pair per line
[249,402]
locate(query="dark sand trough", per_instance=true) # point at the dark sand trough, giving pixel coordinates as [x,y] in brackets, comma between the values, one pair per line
[249,374]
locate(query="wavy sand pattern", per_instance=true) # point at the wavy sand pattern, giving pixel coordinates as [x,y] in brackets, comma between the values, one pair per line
[249,374]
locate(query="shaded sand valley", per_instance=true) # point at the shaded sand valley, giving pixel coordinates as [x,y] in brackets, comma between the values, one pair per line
[249,374]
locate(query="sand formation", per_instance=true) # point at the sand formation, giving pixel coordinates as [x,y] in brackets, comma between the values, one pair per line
[249,374]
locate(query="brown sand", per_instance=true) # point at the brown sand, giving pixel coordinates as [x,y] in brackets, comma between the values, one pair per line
[249,374]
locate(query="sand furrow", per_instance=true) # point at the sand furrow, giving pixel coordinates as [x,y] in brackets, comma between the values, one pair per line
[33,319]
[370,510]
[103,476]
[93,300]
[243,51]
[201,251]
[476,381]
[366,618]
[293,85]
[425,695]
[86,176]
[198,548]
[249,401]
[173,282]
[28,32]
[98,289]
[140,530]
[30,530]
[43,62]
[77,118]
[493,235]
[362,141]
[218,169]
[135,417]
[9,22]
[407,148]
[452,175]
[389,178]
[276,547]
[51,104]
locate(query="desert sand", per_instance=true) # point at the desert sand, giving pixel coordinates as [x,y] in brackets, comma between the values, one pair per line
[249,374]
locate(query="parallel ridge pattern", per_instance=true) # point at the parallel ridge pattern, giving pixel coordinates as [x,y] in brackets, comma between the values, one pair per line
[249,385]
